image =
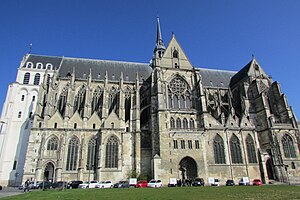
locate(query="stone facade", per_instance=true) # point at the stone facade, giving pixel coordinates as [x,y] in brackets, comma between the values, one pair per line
[99,120]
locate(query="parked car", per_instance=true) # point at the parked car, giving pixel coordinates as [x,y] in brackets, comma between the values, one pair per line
[86,184]
[141,184]
[257,182]
[198,182]
[230,183]
[60,184]
[73,184]
[216,182]
[121,184]
[155,183]
[0,187]
[105,184]
[244,182]
[45,185]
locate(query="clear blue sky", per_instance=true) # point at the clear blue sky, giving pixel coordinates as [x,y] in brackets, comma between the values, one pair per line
[213,33]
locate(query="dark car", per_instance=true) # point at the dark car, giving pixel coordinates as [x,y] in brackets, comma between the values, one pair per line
[45,185]
[74,184]
[60,184]
[198,182]
[0,187]
[230,183]
[121,184]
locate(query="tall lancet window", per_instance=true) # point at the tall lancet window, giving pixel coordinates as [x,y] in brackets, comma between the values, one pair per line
[251,150]
[97,102]
[52,146]
[62,101]
[91,154]
[235,149]
[113,102]
[219,150]
[112,151]
[127,105]
[26,78]
[37,79]
[288,146]
[80,101]
[72,155]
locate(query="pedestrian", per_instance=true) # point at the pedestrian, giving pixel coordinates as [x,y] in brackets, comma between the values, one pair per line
[26,185]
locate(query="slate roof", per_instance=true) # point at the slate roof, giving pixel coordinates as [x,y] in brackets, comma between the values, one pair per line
[216,78]
[55,61]
[99,68]
[241,74]
[210,77]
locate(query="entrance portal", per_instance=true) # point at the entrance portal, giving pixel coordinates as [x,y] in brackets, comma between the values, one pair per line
[49,172]
[188,168]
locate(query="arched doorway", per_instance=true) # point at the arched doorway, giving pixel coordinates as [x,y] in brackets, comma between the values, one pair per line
[270,169]
[188,168]
[49,172]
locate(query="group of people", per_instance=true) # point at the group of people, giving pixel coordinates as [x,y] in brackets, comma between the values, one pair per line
[184,182]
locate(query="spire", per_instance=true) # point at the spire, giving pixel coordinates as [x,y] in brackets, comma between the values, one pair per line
[159,41]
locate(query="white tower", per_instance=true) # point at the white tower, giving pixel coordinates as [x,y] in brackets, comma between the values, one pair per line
[17,114]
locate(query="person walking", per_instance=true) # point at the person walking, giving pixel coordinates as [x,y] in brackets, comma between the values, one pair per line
[26,185]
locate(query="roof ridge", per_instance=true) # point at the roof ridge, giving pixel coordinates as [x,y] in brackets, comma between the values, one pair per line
[220,70]
[94,59]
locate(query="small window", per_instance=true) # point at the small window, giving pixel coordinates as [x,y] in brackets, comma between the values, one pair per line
[99,76]
[112,125]
[19,114]
[175,144]
[197,146]
[48,66]
[182,142]
[29,65]
[33,98]
[113,77]
[175,54]
[23,97]
[55,125]
[15,165]
[190,144]
[37,79]
[40,124]
[84,75]
[30,115]
[26,78]
[126,78]
[94,126]
[75,125]
[39,65]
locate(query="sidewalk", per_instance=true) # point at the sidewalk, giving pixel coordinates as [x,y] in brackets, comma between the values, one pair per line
[10,191]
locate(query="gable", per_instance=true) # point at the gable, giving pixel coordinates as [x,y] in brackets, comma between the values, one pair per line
[174,56]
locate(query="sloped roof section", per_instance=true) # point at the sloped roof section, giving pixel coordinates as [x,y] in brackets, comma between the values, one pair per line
[241,74]
[100,67]
[55,61]
[216,78]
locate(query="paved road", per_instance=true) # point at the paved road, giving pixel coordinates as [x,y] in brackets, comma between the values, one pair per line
[8,191]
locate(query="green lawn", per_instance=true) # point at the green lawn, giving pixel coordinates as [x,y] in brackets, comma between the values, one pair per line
[184,193]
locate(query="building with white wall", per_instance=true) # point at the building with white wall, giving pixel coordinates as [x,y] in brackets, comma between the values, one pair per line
[17,115]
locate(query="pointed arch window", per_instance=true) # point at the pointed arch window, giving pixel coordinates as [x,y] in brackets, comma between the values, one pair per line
[235,149]
[185,123]
[97,102]
[175,103]
[72,155]
[219,151]
[91,154]
[288,146]
[175,54]
[62,101]
[192,124]
[251,150]
[127,104]
[178,123]
[182,106]
[112,150]
[113,103]
[37,79]
[170,101]
[52,144]
[172,122]
[80,101]
[26,78]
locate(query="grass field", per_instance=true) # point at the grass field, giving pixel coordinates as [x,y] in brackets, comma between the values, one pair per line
[184,193]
